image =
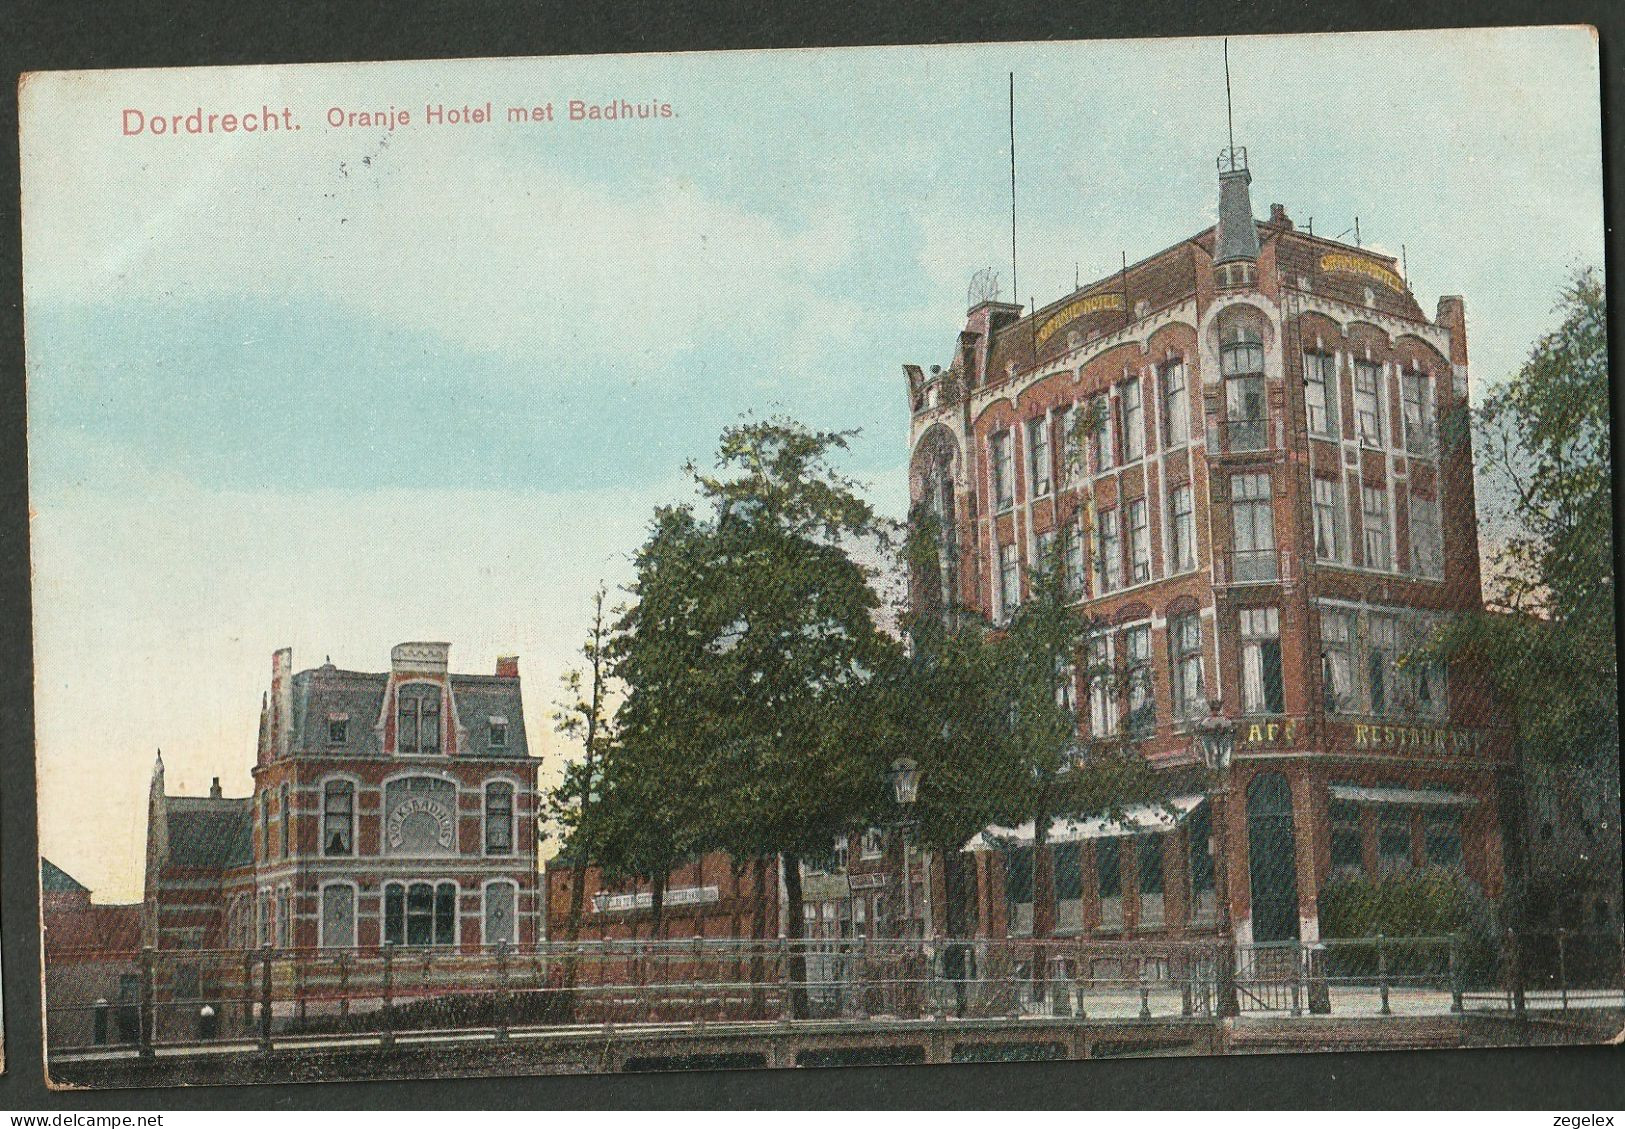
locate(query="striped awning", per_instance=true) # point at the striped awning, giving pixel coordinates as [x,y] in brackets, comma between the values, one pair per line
[1416,797]
[1139,819]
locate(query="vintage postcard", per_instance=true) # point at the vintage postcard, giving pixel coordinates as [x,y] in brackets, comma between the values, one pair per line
[786,559]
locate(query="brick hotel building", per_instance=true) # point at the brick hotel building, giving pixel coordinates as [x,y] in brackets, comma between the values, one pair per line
[392,806]
[1273,501]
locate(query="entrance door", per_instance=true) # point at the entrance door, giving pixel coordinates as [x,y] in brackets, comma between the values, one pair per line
[1272,859]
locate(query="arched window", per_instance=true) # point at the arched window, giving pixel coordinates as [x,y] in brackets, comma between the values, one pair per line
[420,913]
[417,728]
[265,825]
[499,818]
[338,818]
[1241,362]
[500,899]
[338,916]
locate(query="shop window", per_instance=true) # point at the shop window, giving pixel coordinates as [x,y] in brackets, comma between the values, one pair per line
[1148,859]
[1018,890]
[1394,841]
[1348,861]
[420,913]
[1199,843]
[1442,839]
[1109,883]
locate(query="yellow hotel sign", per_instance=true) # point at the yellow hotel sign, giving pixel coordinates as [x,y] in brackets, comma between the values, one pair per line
[1340,262]
[1088,304]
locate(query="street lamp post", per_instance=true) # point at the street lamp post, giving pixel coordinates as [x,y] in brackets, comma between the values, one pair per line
[904,777]
[1216,746]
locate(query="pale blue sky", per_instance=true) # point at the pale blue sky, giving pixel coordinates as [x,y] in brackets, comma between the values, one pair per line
[341,388]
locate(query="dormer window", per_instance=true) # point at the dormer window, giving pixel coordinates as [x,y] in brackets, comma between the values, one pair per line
[338,730]
[418,720]
[499,733]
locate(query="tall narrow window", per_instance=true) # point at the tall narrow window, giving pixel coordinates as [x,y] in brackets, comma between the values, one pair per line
[1176,416]
[1321,393]
[1427,549]
[1368,402]
[1009,579]
[1421,436]
[1133,421]
[338,818]
[418,719]
[500,899]
[338,916]
[265,825]
[1139,541]
[285,809]
[1071,452]
[1101,442]
[1261,660]
[1374,510]
[1004,479]
[1330,540]
[262,931]
[1142,706]
[1337,660]
[1102,687]
[1382,647]
[499,818]
[1076,578]
[1253,522]
[1038,456]
[1181,529]
[284,917]
[1441,838]
[1044,551]
[1185,653]
[1108,552]
[1241,362]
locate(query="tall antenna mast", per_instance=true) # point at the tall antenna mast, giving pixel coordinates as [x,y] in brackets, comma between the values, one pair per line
[1014,290]
[1229,113]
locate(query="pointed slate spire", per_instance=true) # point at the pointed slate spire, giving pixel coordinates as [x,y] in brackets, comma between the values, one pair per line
[1237,237]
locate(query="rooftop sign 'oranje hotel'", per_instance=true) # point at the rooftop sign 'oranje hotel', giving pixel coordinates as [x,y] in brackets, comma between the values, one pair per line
[1341,262]
[1088,304]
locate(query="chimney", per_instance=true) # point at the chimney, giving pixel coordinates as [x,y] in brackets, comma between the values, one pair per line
[1236,241]
[282,702]
[507,666]
[214,789]
[1279,218]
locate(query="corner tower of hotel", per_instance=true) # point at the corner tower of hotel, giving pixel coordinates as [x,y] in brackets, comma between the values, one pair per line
[1251,447]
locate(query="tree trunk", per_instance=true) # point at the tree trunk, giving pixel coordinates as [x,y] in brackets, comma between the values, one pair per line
[572,931]
[793,932]
[657,905]
[1043,902]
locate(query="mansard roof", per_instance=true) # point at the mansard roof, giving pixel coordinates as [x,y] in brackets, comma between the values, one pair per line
[327,693]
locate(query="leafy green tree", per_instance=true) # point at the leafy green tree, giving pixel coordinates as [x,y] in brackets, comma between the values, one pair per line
[1547,641]
[582,718]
